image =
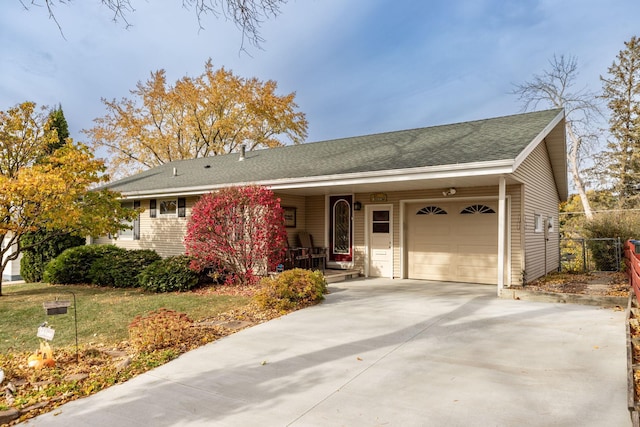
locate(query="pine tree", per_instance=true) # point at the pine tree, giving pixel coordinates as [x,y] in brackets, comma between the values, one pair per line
[59,123]
[622,94]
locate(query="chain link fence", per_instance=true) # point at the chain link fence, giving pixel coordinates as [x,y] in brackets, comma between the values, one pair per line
[586,255]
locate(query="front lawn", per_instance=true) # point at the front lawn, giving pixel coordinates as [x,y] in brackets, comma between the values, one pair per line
[123,332]
[106,354]
[103,313]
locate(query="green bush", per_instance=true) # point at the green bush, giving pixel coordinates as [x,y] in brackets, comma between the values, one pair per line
[291,290]
[103,265]
[120,268]
[623,225]
[35,259]
[169,275]
[72,266]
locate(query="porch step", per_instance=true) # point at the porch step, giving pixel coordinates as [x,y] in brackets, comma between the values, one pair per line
[333,276]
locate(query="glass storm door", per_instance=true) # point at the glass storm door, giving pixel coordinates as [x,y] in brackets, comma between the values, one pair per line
[340,234]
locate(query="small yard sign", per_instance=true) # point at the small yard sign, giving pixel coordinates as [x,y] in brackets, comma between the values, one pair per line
[46,333]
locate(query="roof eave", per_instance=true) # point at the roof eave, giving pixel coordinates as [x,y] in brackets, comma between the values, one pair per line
[497,167]
[557,148]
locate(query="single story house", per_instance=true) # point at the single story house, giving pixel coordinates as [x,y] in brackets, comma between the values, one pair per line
[469,202]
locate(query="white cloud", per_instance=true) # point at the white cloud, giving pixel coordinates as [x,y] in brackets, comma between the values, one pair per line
[357,66]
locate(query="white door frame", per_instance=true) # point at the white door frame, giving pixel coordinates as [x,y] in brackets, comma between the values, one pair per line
[367,226]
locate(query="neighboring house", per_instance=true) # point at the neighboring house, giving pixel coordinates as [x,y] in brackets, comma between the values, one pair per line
[468,202]
[12,270]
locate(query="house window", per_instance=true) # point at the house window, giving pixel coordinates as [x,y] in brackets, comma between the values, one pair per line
[168,207]
[538,227]
[381,222]
[132,232]
[550,225]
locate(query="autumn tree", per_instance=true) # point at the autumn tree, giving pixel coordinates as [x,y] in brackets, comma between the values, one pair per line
[621,91]
[555,88]
[248,15]
[43,245]
[43,189]
[238,232]
[214,113]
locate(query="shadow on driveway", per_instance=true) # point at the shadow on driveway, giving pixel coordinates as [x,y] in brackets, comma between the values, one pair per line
[383,352]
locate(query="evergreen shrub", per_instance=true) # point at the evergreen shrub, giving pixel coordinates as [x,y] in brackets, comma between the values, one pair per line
[73,265]
[169,275]
[35,259]
[120,268]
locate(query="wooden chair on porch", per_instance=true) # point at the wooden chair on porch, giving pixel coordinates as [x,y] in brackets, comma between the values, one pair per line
[316,256]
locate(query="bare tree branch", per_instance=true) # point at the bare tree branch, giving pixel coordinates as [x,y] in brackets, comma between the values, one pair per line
[554,88]
[248,15]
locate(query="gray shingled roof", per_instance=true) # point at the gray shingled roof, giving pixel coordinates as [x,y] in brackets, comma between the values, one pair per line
[501,138]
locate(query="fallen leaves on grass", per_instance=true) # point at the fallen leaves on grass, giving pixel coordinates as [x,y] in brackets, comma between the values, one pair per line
[234,290]
[597,284]
[33,392]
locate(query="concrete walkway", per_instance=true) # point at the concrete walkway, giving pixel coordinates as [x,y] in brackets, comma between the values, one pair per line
[388,353]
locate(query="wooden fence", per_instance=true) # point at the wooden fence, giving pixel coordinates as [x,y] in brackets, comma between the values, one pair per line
[632,258]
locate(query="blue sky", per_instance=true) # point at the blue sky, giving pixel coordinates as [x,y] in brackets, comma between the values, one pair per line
[357,66]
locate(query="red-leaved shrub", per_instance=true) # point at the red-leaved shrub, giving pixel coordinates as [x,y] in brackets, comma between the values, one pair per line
[238,232]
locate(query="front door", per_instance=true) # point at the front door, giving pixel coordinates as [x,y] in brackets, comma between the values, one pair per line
[340,234]
[380,241]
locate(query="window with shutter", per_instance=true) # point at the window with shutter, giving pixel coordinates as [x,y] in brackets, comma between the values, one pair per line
[182,207]
[136,222]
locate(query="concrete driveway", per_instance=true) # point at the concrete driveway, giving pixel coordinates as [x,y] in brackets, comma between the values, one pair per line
[379,352]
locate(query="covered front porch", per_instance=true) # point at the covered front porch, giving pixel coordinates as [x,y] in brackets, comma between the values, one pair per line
[366,229]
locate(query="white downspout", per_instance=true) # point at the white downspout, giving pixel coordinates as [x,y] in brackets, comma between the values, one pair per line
[502,192]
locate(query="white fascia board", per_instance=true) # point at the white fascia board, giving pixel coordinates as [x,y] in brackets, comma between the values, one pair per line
[537,140]
[404,175]
[496,167]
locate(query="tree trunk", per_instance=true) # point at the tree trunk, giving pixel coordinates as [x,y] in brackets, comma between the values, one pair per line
[575,171]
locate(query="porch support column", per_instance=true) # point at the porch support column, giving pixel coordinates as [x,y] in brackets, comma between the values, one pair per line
[502,215]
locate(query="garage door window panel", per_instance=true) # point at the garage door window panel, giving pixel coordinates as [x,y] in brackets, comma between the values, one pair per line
[431,210]
[477,209]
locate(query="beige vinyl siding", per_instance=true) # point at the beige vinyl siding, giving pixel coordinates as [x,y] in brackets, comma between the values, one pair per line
[469,193]
[165,235]
[539,197]
[297,202]
[517,241]
[359,252]
[315,218]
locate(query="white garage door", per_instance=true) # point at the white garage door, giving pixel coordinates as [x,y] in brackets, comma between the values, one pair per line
[454,241]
